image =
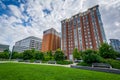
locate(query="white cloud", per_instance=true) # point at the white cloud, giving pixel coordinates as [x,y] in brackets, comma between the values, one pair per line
[117,24]
[12,28]
[15,10]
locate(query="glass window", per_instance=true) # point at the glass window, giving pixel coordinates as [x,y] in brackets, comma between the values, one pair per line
[78,20]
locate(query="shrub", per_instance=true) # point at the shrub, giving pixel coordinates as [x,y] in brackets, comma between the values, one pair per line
[28,54]
[113,63]
[48,56]
[76,54]
[83,64]
[15,55]
[32,60]
[39,55]
[44,61]
[4,55]
[91,56]
[106,51]
[59,55]
[64,62]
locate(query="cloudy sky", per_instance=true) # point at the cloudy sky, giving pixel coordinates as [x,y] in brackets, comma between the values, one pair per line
[22,18]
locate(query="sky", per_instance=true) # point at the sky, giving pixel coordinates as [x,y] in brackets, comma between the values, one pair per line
[22,18]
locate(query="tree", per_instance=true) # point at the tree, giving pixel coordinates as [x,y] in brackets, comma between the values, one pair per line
[106,51]
[39,55]
[91,56]
[6,54]
[15,55]
[76,54]
[59,55]
[48,55]
[20,55]
[1,55]
[28,54]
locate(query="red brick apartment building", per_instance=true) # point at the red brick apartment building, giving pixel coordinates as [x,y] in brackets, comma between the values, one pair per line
[83,31]
[51,40]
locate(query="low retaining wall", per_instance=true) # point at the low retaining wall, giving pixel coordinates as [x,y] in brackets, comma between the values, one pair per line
[116,71]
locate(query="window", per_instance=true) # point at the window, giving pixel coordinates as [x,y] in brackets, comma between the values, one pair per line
[84,30]
[86,46]
[89,39]
[78,20]
[74,22]
[91,46]
[90,43]
[89,34]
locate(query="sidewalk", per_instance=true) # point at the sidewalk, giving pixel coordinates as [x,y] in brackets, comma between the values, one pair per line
[36,63]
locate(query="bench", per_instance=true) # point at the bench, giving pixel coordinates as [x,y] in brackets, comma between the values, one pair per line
[20,60]
[77,61]
[37,61]
[26,60]
[51,62]
[101,65]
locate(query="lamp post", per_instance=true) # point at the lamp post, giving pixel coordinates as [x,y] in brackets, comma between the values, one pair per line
[10,55]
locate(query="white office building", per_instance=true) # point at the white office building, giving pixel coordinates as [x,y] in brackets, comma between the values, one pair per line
[27,44]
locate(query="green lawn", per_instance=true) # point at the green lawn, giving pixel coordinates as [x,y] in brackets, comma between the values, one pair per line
[20,71]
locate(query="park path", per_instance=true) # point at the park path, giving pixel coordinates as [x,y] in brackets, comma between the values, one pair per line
[38,63]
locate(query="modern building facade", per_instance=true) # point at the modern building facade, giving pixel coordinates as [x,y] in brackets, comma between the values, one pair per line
[83,31]
[3,47]
[28,43]
[115,43]
[51,40]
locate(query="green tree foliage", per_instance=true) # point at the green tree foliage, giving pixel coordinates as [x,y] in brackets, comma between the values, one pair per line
[106,51]
[32,54]
[15,55]
[91,56]
[49,53]
[28,54]
[48,56]
[5,54]
[76,54]
[59,55]
[1,55]
[20,55]
[39,55]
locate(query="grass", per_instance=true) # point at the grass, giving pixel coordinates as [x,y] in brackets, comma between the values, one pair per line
[21,71]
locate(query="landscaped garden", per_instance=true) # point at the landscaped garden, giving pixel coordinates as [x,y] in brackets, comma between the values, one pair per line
[21,71]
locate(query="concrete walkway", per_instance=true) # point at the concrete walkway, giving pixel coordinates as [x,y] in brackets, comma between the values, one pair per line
[36,63]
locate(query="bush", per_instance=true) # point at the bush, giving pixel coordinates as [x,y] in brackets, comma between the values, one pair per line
[4,55]
[91,56]
[15,55]
[44,61]
[32,60]
[113,63]
[59,55]
[27,55]
[83,64]
[76,54]
[39,55]
[106,51]
[64,62]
